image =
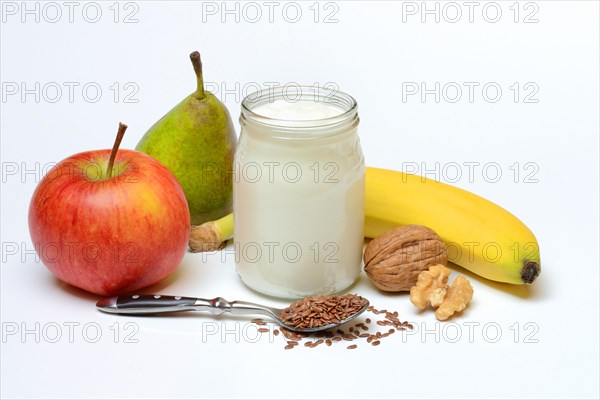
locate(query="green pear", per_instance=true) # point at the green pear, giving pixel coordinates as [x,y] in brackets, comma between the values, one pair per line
[196,140]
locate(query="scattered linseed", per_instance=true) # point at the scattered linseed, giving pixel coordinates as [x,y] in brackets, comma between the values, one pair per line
[313,316]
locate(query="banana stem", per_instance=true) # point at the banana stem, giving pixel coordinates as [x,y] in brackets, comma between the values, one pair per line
[210,236]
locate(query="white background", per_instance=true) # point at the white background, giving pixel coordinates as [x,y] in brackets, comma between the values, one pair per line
[375,51]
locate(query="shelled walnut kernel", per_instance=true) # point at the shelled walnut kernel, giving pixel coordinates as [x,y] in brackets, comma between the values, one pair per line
[432,288]
[457,297]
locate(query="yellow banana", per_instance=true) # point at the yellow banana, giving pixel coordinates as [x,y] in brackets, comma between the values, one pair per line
[481,236]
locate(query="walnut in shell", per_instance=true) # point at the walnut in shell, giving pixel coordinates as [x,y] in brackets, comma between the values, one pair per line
[394,260]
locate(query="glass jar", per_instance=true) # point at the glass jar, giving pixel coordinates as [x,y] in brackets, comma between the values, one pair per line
[298,192]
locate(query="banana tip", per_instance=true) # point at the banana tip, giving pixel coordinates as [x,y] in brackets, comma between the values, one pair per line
[530,271]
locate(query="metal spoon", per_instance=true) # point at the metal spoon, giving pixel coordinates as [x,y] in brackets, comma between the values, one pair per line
[157,303]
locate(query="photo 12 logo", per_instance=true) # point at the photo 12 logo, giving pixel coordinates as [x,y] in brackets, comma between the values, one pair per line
[255,91]
[286,172]
[53,12]
[72,252]
[453,12]
[472,332]
[473,171]
[252,12]
[69,332]
[25,172]
[469,92]
[272,252]
[69,92]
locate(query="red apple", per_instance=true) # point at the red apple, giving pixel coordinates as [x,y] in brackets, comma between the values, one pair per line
[110,222]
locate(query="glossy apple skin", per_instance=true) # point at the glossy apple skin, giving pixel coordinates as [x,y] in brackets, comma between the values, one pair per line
[114,235]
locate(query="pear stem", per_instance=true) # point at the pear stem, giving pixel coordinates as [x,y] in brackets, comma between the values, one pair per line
[113,153]
[197,63]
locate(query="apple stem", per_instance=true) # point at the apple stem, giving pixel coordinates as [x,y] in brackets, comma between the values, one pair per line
[197,63]
[113,153]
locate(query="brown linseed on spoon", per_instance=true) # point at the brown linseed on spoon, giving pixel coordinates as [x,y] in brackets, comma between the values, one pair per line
[316,311]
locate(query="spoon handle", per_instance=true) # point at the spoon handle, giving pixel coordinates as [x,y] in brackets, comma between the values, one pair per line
[146,304]
[156,303]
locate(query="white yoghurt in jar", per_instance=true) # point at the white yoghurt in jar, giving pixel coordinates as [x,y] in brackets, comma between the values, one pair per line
[298,193]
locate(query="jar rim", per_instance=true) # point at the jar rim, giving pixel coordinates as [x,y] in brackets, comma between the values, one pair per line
[346,104]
